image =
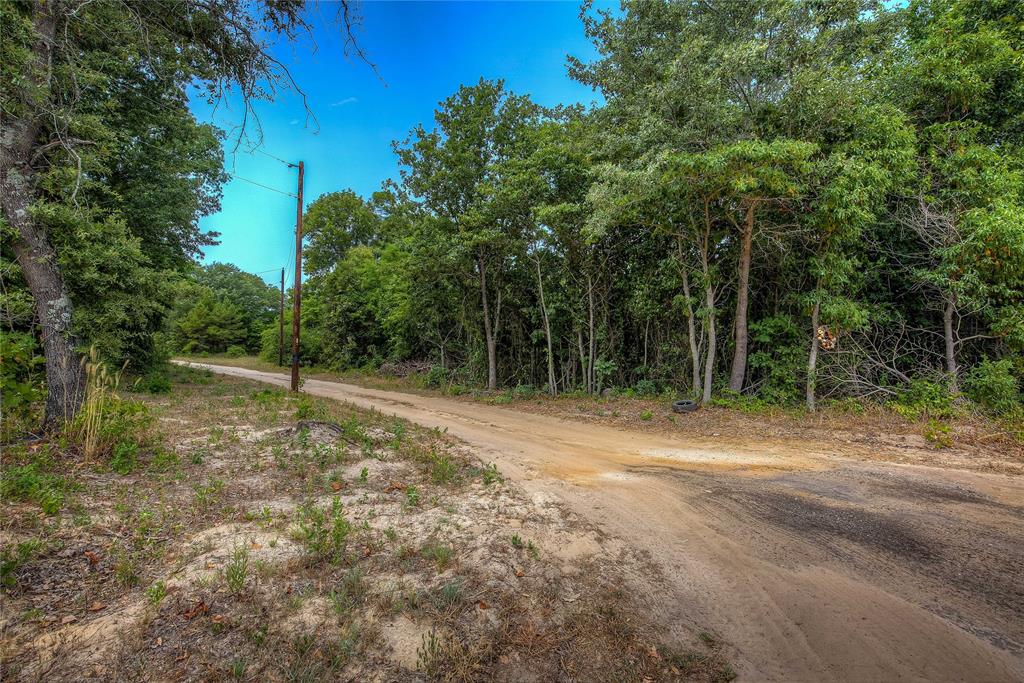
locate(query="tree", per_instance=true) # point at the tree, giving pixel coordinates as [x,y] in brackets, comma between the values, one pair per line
[65,61]
[452,170]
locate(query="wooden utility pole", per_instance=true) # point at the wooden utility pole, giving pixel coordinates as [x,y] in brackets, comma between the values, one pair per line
[297,295]
[280,326]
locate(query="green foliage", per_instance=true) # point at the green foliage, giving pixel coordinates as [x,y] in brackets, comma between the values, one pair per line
[993,386]
[154,382]
[324,532]
[237,569]
[924,397]
[34,482]
[21,380]
[14,556]
[938,434]
[124,457]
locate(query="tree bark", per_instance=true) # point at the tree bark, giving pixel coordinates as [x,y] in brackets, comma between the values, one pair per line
[492,355]
[812,359]
[552,384]
[592,350]
[691,330]
[709,361]
[952,370]
[739,359]
[65,381]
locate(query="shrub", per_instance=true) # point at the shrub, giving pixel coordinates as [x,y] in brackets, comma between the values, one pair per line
[21,377]
[924,397]
[124,458]
[993,386]
[645,387]
[324,532]
[646,416]
[524,391]
[235,351]
[435,378]
[33,484]
[153,382]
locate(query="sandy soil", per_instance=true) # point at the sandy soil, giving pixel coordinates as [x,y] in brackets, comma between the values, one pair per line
[813,562]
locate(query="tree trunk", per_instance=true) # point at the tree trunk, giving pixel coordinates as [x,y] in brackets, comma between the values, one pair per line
[65,381]
[492,356]
[592,350]
[709,362]
[739,359]
[583,360]
[552,383]
[691,330]
[812,360]
[948,334]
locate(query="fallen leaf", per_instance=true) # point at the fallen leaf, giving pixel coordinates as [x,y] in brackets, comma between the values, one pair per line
[158,642]
[93,558]
[394,486]
[366,551]
[217,618]
[69,619]
[97,606]
[335,485]
[197,609]
[481,604]
[519,572]
[653,652]
[255,546]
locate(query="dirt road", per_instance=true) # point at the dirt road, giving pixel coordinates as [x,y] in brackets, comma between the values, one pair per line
[811,566]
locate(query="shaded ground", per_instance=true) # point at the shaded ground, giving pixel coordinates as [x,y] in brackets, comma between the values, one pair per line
[815,559]
[258,542]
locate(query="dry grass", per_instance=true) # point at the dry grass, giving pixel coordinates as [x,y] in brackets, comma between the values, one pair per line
[224,556]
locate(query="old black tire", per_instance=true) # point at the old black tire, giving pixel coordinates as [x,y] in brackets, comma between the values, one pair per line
[683,406]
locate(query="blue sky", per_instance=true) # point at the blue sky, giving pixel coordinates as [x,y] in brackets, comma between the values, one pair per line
[423,52]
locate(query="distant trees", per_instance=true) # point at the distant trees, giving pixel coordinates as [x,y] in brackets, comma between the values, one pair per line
[786,200]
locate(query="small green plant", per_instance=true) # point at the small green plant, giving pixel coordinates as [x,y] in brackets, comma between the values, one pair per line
[412,497]
[324,533]
[533,550]
[517,542]
[924,397]
[444,471]
[490,474]
[125,457]
[235,351]
[938,434]
[308,408]
[237,569]
[646,416]
[439,553]
[238,667]
[32,483]
[391,534]
[13,557]
[364,474]
[645,388]
[349,592]
[156,592]
[208,494]
[126,569]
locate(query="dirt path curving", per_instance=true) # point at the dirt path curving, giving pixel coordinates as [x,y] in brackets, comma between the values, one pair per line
[810,565]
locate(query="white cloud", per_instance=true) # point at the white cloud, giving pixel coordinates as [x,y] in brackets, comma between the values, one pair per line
[342,103]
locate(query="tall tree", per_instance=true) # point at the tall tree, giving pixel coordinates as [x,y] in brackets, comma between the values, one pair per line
[453,169]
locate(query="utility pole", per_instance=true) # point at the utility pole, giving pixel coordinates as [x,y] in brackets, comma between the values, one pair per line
[280,326]
[297,295]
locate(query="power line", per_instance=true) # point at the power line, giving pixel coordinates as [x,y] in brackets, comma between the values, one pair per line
[265,187]
[268,154]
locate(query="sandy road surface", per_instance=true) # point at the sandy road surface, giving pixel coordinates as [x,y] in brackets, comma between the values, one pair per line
[810,565]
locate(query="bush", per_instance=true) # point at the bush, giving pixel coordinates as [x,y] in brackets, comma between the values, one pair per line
[324,533]
[21,376]
[924,397]
[236,351]
[523,391]
[32,483]
[435,378]
[154,382]
[993,386]
[646,388]
[125,457]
